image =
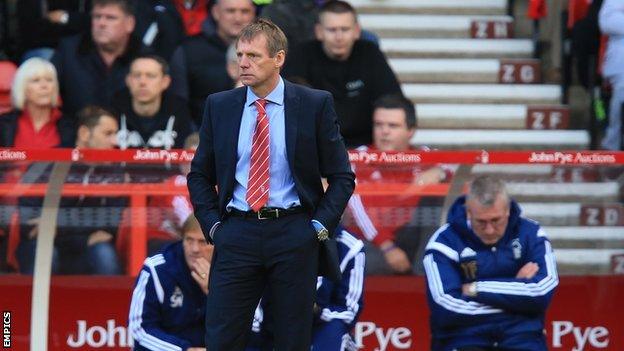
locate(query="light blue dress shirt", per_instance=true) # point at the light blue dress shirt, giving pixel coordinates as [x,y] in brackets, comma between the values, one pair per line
[282,192]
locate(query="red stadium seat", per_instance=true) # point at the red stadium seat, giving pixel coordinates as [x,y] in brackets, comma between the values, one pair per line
[537,9]
[7,72]
[577,10]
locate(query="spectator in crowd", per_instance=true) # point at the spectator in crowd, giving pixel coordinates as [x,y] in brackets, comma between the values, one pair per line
[160,24]
[35,121]
[295,17]
[611,20]
[92,67]
[337,305]
[355,71]
[198,66]
[194,15]
[43,23]
[86,225]
[384,220]
[232,66]
[168,304]
[490,274]
[150,116]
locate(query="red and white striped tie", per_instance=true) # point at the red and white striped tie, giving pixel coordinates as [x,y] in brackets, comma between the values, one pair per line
[258,182]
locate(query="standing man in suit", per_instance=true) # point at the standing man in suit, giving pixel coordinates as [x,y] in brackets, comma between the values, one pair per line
[266,146]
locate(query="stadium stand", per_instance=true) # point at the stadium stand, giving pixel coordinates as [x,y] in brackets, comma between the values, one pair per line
[453,59]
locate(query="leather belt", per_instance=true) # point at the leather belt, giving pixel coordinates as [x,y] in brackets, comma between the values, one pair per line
[267,212]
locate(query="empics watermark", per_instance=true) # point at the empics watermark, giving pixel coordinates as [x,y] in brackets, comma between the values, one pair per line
[6,329]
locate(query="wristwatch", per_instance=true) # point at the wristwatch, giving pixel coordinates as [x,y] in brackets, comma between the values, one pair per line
[64,18]
[472,289]
[322,233]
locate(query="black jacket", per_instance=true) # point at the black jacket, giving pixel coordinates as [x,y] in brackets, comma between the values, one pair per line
[167,129]
[159,26]
[355,84]
[37,31]
[8,129]
[198,70]
[83,76]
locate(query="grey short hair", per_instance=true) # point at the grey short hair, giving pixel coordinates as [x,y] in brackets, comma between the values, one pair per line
[27,70]
[276,39]
[230,55]
[486,189]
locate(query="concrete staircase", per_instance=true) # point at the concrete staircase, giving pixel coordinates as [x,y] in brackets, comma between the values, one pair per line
[460,63]
[477,86]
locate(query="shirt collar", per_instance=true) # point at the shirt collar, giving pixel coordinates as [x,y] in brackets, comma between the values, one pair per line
[276,96]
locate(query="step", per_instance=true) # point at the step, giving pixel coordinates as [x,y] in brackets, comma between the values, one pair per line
[581,233]
[446,70]
[586,256]
[483,93]
[472,7]
[491,116]
[552,214]
[501,139]
[564,192]
[585,261]
[571,237]
[471,116]
[493,71]
[457,48]
[425,26]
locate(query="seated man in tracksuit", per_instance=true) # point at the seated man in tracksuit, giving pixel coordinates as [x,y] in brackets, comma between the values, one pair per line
[337,306]
[168,305]
[490,275]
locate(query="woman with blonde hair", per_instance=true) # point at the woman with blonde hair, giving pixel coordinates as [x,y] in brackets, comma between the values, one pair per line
[35,121]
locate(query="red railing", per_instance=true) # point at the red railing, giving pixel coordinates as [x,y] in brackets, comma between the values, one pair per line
[139,192]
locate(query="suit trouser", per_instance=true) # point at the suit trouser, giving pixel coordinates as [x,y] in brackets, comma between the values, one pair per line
[252,255]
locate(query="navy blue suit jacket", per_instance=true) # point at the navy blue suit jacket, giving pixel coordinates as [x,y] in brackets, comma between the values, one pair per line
[314,148]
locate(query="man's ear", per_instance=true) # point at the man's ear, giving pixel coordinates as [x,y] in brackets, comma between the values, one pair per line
[214,12]
[166,82]
[280,58]
[83,135]
[130,24]
[318,31]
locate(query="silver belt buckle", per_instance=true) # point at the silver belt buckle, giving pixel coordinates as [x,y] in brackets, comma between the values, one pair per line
[265,211]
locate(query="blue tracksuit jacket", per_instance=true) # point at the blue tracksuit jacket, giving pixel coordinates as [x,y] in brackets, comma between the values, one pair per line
[507,312]
[168,307]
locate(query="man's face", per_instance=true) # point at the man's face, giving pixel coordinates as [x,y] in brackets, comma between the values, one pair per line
[146,80]
[256,67]
[390,131]
[338,32]
[232,16]
[104,134]
[488,223]
[195,246]
[110,26]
